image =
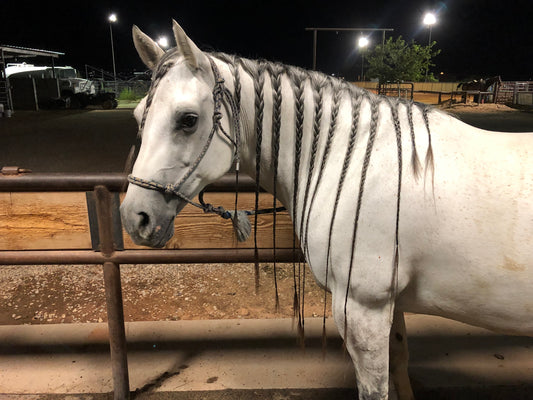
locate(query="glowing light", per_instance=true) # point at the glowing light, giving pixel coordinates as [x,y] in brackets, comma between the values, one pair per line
[162,41]
[430,19]
[363,42]
[113,17]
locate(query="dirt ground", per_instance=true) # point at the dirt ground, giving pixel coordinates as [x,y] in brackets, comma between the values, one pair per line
[57,294]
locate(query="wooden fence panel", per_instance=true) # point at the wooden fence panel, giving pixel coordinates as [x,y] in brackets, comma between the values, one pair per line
[50,220]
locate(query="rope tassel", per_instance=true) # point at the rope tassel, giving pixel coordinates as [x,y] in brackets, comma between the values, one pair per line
[241,225]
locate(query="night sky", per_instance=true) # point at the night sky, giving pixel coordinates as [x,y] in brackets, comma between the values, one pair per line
[478,38]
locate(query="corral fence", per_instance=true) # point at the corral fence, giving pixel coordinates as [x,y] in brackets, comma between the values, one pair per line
[509,92]
[136,87]
[518,92]
[398,89]
[441,91]
[27,195]
[132,89]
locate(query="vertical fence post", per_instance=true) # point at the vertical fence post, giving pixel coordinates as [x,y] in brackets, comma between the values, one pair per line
[35,98]
[113,292]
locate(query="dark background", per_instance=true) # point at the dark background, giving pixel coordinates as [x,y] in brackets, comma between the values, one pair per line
[478,38]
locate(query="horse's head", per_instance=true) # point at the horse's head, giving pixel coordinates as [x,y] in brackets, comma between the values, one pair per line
[182,148]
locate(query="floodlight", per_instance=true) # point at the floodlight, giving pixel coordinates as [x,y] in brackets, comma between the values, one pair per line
[363,41]
[162,41]
[430,19]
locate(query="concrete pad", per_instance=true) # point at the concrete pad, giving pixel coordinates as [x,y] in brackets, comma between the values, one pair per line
[182,355]
[193,356]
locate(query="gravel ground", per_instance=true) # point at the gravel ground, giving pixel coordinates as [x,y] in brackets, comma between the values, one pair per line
[57,294]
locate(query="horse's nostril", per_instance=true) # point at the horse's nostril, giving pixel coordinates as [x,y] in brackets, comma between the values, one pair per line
[145,219]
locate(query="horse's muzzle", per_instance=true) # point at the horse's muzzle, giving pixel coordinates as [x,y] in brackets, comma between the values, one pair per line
[145,227]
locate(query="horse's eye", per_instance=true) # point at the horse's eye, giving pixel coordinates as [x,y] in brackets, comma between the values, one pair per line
[188,122]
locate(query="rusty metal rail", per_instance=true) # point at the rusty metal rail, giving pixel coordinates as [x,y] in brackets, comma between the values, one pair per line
[197,256]
[110,258]
[114,182]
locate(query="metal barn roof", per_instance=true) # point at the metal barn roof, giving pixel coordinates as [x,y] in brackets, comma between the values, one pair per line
[17,51]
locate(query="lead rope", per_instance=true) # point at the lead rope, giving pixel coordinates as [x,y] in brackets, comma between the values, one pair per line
[241,224]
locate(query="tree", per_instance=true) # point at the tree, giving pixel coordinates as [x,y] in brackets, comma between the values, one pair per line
[400,61]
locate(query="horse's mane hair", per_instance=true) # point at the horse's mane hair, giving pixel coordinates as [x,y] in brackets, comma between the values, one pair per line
[319,81]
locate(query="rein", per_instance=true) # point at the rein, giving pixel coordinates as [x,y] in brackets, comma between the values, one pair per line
[241,224]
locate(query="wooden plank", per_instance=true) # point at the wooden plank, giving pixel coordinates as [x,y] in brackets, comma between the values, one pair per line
[209,232]
[48,220]
[43,221]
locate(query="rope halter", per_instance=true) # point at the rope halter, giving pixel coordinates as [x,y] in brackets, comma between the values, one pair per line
[241,224]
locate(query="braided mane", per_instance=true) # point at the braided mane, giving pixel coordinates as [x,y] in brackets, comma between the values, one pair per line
[301,213]
[299,79]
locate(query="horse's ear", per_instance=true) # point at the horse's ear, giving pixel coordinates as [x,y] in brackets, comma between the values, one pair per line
[193,55]
[148,50]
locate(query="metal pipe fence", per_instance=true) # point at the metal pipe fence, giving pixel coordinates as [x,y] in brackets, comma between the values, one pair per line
[110,257]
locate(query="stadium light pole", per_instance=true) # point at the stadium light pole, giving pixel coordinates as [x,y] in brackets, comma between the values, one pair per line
[429,21]
[112,19]
[362,43]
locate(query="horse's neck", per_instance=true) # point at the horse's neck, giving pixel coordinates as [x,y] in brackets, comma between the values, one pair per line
[297,118]
[277,139]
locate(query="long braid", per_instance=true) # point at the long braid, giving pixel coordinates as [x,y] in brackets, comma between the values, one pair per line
[430,162]
[337,94]
[298,86]
[259,83]
[415,162]
[374,115]
[398,130]
[331,131]
[275,77]
[238,87]
[231,63]
[317,98]
[356,107]
[317,120]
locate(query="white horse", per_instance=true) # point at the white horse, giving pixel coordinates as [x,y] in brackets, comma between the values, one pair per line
[384,234]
